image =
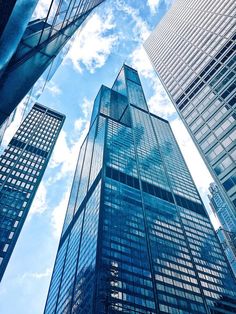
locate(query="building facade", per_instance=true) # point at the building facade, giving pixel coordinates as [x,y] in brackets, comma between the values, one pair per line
[136,236]
[193,53]
[227,232]
[221,209]
[228,242]
[22,166]
[40,44]
[14,17]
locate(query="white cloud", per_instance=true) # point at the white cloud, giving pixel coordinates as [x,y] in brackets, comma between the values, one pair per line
[64,157]
[42,9]
[65,153]
[140,61]
[39,204]
[61,150]
[159,103]
[141,30]
[94,43]
[36,275]
[153,4]
[169,3]
[78,124]
[87,106]
[53,88]
[58,214]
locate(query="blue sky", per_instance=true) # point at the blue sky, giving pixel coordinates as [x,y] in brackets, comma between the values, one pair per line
[113,34]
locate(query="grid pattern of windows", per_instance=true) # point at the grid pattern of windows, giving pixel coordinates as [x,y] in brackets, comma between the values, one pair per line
[72,285]
[125,276]
[228,242]
[141,245]
[88,167]
[149,155]
[227,232]
[193,51]
[21,168]
[221,208]
[180,179]
[60,14]
[119,146]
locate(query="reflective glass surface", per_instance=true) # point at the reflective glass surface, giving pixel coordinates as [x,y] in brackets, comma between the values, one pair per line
[146,242]
[43,40]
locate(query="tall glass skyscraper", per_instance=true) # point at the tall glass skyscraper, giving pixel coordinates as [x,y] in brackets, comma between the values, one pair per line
[136,236]
[22,166]
[193,52]
[41,42]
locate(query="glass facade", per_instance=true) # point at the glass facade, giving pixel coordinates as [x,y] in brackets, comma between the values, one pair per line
[14,17]
[193,52]
[22,166]
[42,41]
[136,237]
[221,208]
[24,107]
[227,232]
[228,242]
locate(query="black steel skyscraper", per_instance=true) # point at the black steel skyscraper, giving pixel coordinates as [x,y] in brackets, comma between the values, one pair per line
[22,166]
[41,42]
[136,237]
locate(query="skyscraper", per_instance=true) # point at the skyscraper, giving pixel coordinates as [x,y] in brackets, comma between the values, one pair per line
[228,242]
[42,41]
[136,236]
[22,166]
[193,52]
[227,232]
[221,209]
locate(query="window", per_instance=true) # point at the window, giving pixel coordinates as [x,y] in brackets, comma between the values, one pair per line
[229,183]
